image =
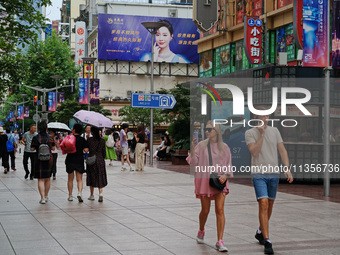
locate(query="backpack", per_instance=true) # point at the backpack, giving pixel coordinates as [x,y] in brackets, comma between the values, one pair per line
[44,152]
[68,145]
[10,146]
[110,143]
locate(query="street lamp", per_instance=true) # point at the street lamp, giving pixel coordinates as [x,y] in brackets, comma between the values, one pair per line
[152,27]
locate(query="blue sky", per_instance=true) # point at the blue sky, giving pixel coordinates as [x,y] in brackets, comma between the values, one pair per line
[53,11]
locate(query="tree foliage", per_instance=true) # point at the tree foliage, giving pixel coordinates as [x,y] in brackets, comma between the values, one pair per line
[137,116]
[20,24]
[69,107]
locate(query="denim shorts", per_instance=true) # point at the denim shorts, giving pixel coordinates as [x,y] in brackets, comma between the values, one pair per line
[265,185]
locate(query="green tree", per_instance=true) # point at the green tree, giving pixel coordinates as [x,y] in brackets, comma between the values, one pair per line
[69,107]
[137,116]
[20,24]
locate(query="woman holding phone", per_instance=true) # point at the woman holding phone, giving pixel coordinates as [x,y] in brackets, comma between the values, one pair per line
[162,52]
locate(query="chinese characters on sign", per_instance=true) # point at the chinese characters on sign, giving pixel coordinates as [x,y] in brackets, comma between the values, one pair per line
[252,37]
[80,43]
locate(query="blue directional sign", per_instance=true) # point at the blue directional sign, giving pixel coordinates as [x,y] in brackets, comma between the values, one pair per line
[160,101]
[16,125]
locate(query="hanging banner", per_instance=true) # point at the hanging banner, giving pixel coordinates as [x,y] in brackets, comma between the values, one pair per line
[253,39]
[315,33]
[336,35]
[55,26]
[52,101]
[298,23]
[80,43]
[20,113]
[11,116]
[27,112]
[83,91]
[95,91]
[60,98]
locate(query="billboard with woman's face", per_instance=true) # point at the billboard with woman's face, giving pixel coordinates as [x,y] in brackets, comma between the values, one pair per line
[123,37]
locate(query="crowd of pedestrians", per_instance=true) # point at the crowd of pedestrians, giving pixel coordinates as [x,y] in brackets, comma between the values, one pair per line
[87,152]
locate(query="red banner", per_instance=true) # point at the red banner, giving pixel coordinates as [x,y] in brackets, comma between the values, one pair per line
[252,39]
[298,23]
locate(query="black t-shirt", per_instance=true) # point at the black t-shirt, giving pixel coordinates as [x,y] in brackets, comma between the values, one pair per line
[78,156]
[3,140]
[141,137]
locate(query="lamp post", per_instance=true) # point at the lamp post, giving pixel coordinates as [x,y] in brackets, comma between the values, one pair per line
[152,27]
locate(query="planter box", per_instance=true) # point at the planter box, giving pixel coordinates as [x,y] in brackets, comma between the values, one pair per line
[179,157]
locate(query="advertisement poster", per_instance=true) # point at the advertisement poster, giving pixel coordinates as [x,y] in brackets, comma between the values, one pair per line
[27,112]
[239,55]
[123,37]
[252,40]
[60,98]
[83,91]
[206,64]
[283,3]
[52,101]
[286,42]
[11,116]
[222,60]
[248,8]
[95,91]
[298,23]
[20,113]
[233,135]
[336,35]
[315,33]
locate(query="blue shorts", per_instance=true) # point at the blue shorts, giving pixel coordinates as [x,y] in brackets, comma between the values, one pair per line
[265,185]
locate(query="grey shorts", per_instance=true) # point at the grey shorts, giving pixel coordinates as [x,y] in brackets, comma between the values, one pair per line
[124,151]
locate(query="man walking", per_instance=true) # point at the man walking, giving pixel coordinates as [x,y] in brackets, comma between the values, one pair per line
[28,154]
[124,146]
[263,142]
[14,147]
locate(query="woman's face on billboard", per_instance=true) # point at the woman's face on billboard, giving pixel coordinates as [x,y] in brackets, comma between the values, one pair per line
[163,37]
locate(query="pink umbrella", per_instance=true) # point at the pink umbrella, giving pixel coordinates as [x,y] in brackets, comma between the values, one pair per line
[93,118]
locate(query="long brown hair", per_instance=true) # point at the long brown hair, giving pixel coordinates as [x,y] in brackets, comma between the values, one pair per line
[220,142]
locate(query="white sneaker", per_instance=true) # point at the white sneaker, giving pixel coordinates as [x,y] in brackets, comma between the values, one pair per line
[46,199]
[70,198]
[80,198]
[110,164]
[131,169]
[221,247]
[123,168]
[91,198]
[42,201]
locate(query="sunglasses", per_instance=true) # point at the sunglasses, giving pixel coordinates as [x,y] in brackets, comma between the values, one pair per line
[208,130]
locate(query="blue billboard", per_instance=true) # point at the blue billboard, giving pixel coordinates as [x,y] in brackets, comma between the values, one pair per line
[123,37]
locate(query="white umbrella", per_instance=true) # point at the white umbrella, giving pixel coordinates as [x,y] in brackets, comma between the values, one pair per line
[93,118]
[58,125]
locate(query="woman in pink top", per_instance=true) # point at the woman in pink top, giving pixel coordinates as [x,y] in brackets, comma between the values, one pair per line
[221,159]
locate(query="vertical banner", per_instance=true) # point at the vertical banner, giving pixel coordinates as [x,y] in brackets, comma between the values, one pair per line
[27,112]
[83,91]
[94,91]
[11,116]
[52,101]
[298,23]
[336,34]
[253,39]
[80,43]
[55,26]
[60,98]
[20,113]
[315,33]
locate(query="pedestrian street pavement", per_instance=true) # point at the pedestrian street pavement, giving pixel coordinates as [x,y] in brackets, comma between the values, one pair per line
[153,212]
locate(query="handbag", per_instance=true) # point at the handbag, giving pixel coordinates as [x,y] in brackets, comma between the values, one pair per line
[213,181]
[92,159]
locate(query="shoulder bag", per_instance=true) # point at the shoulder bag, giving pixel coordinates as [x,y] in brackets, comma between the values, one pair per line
[213,181]
[91,160]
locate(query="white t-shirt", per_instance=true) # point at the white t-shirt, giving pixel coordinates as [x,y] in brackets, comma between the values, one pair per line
[267,159]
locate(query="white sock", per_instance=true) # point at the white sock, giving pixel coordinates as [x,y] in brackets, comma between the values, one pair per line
[259,231]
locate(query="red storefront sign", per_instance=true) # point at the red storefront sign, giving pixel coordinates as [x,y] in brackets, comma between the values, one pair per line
[252,39]
[298,23]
